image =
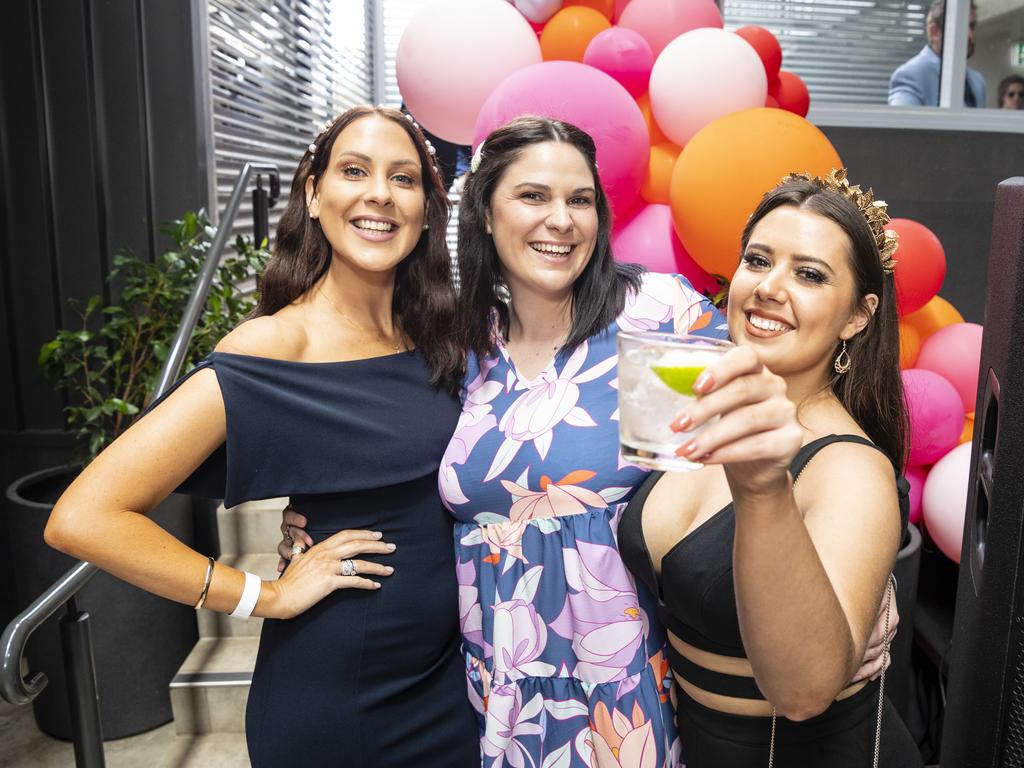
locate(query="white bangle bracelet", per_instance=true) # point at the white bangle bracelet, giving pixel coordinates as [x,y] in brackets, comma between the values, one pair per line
[250,594]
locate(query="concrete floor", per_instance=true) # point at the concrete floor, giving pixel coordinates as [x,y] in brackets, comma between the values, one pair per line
[22,745]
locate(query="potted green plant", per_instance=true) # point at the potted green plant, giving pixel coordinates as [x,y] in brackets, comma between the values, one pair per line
[108,365]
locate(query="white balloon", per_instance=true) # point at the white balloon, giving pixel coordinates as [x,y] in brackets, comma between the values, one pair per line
[944,501]
[701,76]
[538,11]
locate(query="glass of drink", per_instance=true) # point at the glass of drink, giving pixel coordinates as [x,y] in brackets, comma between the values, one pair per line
[656,376]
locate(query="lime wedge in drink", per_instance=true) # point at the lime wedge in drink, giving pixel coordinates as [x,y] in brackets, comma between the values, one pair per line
[679,378]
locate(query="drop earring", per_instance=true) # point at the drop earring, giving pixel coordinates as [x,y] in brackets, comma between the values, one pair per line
[842,362]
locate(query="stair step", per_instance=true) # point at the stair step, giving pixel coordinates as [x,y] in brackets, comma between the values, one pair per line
[224,750]
[209,692]
[251,527]
[216,624]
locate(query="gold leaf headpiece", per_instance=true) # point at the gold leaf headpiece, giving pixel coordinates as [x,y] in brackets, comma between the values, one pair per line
[873,211]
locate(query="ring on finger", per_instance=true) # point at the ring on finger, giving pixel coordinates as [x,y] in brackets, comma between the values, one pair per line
[288,534]
[348,567]
[297,549]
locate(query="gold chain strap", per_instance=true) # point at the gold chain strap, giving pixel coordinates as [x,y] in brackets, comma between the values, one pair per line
[889,589]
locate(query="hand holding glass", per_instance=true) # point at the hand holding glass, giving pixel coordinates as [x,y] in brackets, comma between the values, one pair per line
[657,372]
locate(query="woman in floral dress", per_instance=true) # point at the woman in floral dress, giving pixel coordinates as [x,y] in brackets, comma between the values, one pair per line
[564,666]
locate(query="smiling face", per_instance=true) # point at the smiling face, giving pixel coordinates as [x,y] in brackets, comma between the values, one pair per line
[370,199]
[794,296]
[544,220]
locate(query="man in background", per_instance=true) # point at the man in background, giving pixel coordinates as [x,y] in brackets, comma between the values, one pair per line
[916,82]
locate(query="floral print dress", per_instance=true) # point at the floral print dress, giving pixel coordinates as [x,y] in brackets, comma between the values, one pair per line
[564,666]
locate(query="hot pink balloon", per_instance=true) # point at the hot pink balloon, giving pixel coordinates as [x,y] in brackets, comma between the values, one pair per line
[702,76]
[662,21]
[624,55]
[945,500]
[954,352]
[936,415]
[916,477]
[589,99]
[453,53]
[649,238]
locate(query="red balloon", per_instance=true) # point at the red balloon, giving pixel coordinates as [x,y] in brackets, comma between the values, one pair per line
[771,102]
[920,265]
[767,47]
[791,93]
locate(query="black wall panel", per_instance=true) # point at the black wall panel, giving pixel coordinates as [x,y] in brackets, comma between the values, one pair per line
[98,145]
[29,259]
[122,145]
[75,186]
[945,180]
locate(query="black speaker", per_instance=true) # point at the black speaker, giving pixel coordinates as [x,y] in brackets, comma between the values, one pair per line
[984,720]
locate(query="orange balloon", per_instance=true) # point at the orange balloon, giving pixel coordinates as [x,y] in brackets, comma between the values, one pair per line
[657,137]
[968,434]
[568,33]
[723,172]
[937,313]
[910,345]
[605,7]
[659,173]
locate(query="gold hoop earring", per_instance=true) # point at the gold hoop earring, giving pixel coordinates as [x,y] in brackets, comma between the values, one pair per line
[842,362]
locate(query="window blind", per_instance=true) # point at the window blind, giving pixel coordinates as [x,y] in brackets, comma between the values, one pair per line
[278,70]
[845,50]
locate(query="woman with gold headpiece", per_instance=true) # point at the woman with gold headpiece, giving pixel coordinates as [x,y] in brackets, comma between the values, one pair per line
[769,564]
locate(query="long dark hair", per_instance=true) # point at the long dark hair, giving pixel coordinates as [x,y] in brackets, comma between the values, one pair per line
[424,297]
[872,390]
[599,293]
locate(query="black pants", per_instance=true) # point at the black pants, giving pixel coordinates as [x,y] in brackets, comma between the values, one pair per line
[841,737]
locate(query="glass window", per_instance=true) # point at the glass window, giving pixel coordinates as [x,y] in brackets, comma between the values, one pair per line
[999,52]
[844,50]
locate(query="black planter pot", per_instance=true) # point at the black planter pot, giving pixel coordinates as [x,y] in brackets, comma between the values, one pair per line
[139,640]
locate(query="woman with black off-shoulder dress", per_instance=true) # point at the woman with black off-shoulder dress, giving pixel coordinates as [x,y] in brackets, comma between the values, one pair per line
[339,393]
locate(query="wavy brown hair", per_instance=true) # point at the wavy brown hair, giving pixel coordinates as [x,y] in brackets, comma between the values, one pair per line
[599,293]
[424,298]
[872,390]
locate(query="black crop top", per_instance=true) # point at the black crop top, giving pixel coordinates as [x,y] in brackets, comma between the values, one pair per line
[699,607]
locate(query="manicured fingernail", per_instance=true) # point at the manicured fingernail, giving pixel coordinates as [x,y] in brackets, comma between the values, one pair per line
[377,534]
[683,423]
[389,569]
[376,585]
[686,448]
[703,382]
[391,547]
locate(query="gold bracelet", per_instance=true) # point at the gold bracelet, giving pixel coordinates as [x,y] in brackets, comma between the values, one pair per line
[206,585]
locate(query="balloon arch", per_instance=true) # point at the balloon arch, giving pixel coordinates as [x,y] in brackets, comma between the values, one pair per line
[693,124]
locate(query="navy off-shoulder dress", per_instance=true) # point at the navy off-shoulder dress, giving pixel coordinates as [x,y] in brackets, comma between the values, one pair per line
[362,678]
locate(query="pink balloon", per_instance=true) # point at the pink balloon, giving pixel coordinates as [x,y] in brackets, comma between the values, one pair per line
[661,21]
[453,53]
[936,414]
[945,500]
[702,76]
[649,238]
[590,100]
[620,6]
[954,352]
[624,55]
[916,477]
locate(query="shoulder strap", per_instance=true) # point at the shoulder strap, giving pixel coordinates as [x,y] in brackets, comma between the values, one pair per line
[809,451]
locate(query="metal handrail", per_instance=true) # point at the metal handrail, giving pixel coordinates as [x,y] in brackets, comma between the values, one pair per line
[13,687]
